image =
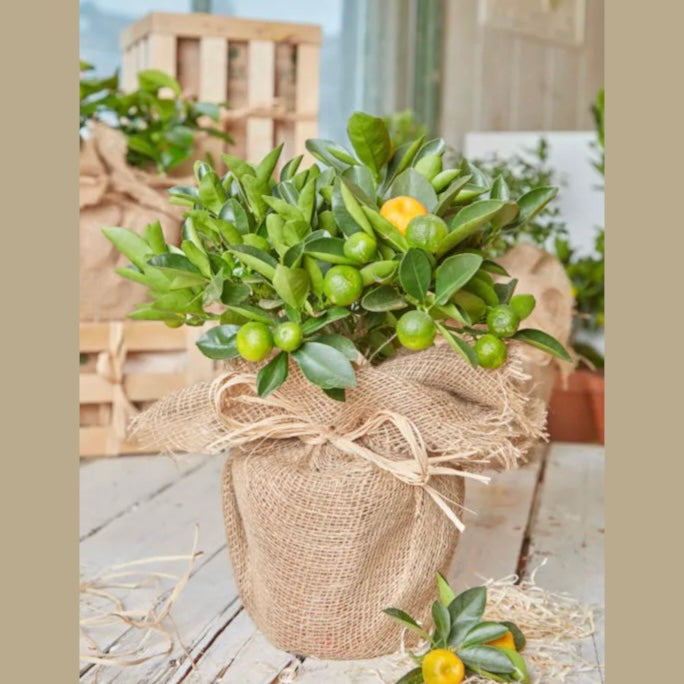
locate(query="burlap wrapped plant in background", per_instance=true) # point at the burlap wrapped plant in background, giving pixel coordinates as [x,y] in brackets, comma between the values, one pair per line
[111,193]
[336,510]
[542,275]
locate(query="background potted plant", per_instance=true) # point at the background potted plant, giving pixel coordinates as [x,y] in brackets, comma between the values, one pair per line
[368,337]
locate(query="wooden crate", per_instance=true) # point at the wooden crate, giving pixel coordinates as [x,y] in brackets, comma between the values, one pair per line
[126,365]
[267,71]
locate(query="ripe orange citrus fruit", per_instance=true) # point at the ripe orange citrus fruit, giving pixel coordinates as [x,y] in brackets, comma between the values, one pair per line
[254,341]
[400,210]
[342,285]
[506,641]
[442,666]
[491,351]
[416,330]
[288,336]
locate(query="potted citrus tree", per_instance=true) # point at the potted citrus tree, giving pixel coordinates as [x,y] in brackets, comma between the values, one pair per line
[372,366]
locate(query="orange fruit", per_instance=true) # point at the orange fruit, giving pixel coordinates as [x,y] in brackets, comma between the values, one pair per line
[442,666]
[400,210]
[506,641]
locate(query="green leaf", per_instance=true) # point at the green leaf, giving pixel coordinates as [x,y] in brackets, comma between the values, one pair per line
[521,674]
[486,658]
[446,199]
[324,366]
[239,167]
[401,160]
[504,291]
[292,285]
[234,293]
[415,676]
[533,202]
[480,178]
[153,80]
[284,209]
[211,192]
[219,342]
[415,273]
[256,259]
[492,267]
[378,272]
[331,315]
[254,313]
[154,237]
[360,178]
[385,229]
[130,244]
[272,375]
[540,340]
[336,393]
[433,146]
[341,343]
[233,212]
[322,150]
[353,207]
[483,632]
[178,265]
[315,275]
[453,273]
[500,189]
[458,345]
[330,250]
[197,257]
[446,593]
[383,298]
[468,605]
[413,184]
[468,221]
[307,200]
[145,312]
[442,620]
[266,166]
[290,169]
[214,289]
[370,139]
[405,620]
[518,637]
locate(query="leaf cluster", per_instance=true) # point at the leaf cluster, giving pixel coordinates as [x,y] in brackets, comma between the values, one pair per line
[459,627]
[159,129]
[259,248]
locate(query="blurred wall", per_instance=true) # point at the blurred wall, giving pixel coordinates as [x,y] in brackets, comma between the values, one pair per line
[497,80]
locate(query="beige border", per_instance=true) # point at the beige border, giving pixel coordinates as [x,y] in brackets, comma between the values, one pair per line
[40,335]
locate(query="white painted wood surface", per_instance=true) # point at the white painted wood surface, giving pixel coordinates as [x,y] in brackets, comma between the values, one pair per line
[138,507]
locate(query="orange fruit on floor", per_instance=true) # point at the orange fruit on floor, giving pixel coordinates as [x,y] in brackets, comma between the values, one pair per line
[506,641]
[442,666]
[400,210]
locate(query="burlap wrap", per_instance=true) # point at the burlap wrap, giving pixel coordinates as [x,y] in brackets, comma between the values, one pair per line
[541,274]
[111,193]
[334,510]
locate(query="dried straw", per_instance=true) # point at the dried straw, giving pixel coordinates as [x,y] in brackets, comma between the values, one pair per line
[101,607]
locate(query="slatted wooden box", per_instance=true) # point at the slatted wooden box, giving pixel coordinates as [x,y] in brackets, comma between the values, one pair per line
[267,71]
[126,366]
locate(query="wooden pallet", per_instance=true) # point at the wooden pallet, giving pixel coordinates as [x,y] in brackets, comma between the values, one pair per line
[125,365]
[267,71]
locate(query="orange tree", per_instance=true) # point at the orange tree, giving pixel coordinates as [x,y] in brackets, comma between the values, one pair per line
[289,250]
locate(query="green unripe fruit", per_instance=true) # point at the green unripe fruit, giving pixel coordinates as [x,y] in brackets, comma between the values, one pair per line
[426,231]
[288,336]
[360,247]
[342,285]
[429,165]
[254,341]
[256,241]
[491,351]
[442,180]
[416,330]
[175,323]
[523,305]
[502,321]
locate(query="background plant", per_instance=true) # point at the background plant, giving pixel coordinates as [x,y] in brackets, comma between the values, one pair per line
[278,261]
[403,127]
[159,130]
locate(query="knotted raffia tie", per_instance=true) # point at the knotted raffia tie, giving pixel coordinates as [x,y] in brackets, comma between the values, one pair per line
[110,366]
[284,422]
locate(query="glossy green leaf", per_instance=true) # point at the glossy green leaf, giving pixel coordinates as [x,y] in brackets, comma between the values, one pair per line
[284,209]
[518,637]
[256,259]
[467,221]
[370,139]
[219,342]
[272,375]
[500,189]
[504,291]
[415,676]
[405,620]
[331,315]
[458,345]
[266,166]
[385,229]
[533,202]
[178,264]
[483,632]
[401,160]
[353,207]
[197,257]
[540,340]
[453,273]
[341,343]
[255,196]
[360,177]
[415,273]
[325,366]
[446,593]
[254,313]
[290,168]
[154,237]
[492,267]
[234,293]
[378,272]
[330,250]
[442,620]
[413,184]
[291,284]
[322,150]
[521,673]
[447,198]
[468,605]
[486,658]
[383,298]
[130,244]
[307,200]
[211,192]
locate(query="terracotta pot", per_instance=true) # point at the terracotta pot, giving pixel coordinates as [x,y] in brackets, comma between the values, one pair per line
[576,412]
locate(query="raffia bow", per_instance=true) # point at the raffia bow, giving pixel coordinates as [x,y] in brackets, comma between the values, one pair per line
[284,423]
[110,366]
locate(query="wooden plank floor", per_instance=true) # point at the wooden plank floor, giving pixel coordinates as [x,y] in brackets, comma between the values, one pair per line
[138,507]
